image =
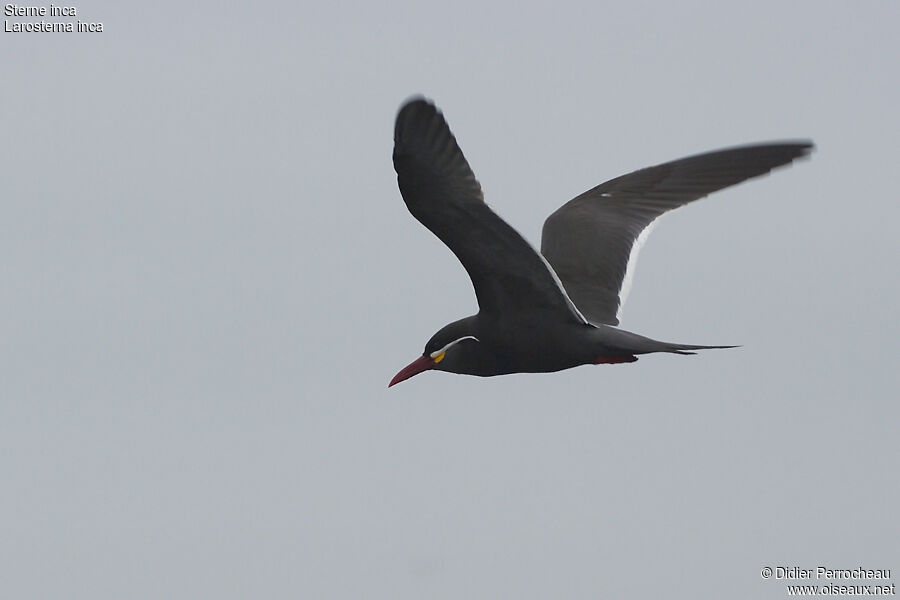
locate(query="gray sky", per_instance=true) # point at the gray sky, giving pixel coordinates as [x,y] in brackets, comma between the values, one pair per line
[209,277]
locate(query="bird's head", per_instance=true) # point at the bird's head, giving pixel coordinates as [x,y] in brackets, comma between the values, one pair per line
[450,349]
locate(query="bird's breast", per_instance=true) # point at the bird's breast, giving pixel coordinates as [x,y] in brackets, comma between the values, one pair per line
[532,345]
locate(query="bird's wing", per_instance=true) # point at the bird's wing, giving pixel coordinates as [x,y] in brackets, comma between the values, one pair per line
[592,241]
[441,191]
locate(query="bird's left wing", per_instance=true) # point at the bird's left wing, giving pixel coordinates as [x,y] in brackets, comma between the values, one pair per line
[441,191]
[592,241]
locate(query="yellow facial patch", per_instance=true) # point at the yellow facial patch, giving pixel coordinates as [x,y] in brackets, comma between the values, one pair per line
[439,357]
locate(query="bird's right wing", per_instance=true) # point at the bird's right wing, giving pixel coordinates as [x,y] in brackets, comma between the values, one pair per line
[441,191]
[592,240]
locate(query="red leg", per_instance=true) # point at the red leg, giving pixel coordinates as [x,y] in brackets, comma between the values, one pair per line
[614,360]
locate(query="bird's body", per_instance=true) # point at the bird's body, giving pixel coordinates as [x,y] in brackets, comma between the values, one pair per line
[555,309]
[502,339]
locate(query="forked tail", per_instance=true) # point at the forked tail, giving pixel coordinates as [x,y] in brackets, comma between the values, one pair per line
[615,342]
[688,348]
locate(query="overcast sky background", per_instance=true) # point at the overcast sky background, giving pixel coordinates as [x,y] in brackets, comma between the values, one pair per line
[209,277]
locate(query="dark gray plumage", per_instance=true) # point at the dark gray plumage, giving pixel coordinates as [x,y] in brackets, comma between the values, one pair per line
[533,317]
[589,239]
[441,191]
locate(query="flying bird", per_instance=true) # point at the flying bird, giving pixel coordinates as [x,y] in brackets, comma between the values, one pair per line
[558,308]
